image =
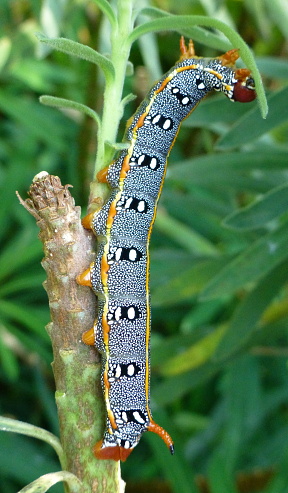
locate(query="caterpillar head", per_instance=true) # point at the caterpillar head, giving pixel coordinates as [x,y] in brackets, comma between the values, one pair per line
[244,89]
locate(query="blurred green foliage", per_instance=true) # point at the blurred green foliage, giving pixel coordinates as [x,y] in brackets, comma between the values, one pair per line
[219,249]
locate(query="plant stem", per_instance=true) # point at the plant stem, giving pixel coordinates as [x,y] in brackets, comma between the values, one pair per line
[113,107]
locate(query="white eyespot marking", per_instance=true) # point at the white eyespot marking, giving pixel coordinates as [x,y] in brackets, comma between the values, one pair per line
[118,313]
[145,160]
[141,206]
[124,416]
[128,203]
[133,255]
[131,313]
[130,370]
[118,371]
[185,100]
[141,159]
[118,254]
[167,124]
[138,418]
[200,85]
[108,444]
[127,444]
[156,119]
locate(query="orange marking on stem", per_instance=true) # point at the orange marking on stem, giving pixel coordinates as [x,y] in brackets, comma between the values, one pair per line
[89,337]
[84,279]
[102,174]
[88,220]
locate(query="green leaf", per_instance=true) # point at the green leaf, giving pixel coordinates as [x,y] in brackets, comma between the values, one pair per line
[180,22]
[107,11]
[8,357]
[5,51]
[248,170]
[213,111]
[81,51]
[254,263]
[194,356]
[20,251]
[251,127]
[71,105]
[35,119]
[183,235]
[266,208]
[276,68]
[174,468]
[34,320]
[45,482]
[249,312]
[195,32]
[21,283]
[15,426]
[187,283]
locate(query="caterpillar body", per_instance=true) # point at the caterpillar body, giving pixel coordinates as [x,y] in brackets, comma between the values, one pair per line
[120,274]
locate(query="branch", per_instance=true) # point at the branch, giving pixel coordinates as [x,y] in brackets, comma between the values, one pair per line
[68,252]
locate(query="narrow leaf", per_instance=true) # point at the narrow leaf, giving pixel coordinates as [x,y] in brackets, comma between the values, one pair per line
[251,127]
[183,235]
[194,356]
[71,105]
[81,51]
[107,11]
[249,312]
[256,261]
[265,209]
[45,482]
[15,426]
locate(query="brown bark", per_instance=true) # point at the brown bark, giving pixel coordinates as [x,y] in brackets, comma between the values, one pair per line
[68,252]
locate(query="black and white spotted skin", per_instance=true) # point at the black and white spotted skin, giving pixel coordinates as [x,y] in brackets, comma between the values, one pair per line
[120,273]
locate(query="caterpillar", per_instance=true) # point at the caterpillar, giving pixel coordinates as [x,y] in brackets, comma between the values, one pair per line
[120,274]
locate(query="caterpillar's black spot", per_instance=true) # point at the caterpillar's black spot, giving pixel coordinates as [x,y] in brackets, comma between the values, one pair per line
[117,254]
[160,121]
[128,370]
[200,84]
[132,203]
[182,98]
[131,313]
[133,416]
[151,162]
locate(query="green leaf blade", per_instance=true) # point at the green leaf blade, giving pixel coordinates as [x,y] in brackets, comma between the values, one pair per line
[269,207]
[79,50]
